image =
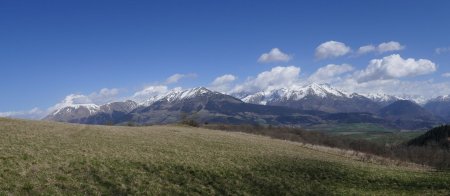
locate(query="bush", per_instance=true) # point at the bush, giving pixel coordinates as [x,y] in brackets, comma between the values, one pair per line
[190,122]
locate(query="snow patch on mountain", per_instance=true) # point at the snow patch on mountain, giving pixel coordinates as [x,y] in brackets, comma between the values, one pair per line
[295,94]
[178,95]
[92,108]
[382,97]
[441,98]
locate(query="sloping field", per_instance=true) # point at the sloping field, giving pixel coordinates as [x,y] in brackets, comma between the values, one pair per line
[55,158]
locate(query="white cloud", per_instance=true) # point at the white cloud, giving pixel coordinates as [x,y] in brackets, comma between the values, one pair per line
[442,50]
[447,75]
[389,46]
[277,77]
[227,78]
[177,77]
[223,83]
[105,95]
[331,49]
[394,66]
[381,48]
[34,113]
[426,89]
[275,55]
[366,49]
[330,73]
[71,99]
[150,91]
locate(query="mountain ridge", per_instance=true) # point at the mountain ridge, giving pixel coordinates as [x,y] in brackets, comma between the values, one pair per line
[304,106]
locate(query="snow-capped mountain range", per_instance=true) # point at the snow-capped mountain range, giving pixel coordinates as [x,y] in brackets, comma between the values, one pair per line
[312,97]
[262,97]
[282,94]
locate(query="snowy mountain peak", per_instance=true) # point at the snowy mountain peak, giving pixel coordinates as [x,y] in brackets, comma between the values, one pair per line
[92,108]
[419,99]
[294,94]
[323,90]
[185,94]
[382,97]
[441,98]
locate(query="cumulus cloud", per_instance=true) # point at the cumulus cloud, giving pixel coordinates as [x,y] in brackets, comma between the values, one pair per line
[150,91]
[366,49]
[389,46]
[442,50]
[447,75]
[418,90]
[177,77]
[394,66]
[227,78]
[381,48]
[275,55]
[105,95]
[72,99]
[277,77]
[223,83]
[331,49]
[330,73]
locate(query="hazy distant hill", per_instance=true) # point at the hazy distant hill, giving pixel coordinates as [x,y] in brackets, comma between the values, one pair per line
[440,106]
[409,115]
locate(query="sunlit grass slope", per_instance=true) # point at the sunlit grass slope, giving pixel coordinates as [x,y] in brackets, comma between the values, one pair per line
[55,158]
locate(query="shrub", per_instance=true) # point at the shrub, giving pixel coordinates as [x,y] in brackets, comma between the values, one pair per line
[190,122]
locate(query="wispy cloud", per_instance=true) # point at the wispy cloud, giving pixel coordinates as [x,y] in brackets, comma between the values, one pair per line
[442,50]
[175,78]
[381,48]
[34,113]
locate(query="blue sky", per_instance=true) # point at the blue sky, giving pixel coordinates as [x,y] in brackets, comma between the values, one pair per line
[51,49]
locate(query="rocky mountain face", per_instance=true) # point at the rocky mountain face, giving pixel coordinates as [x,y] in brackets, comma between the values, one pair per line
[180,104]
[204,105]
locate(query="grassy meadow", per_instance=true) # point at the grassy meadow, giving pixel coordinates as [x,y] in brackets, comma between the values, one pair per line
[49,158]
[367,131]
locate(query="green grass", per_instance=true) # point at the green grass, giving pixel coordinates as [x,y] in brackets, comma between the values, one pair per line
[55,158]
[367,131]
